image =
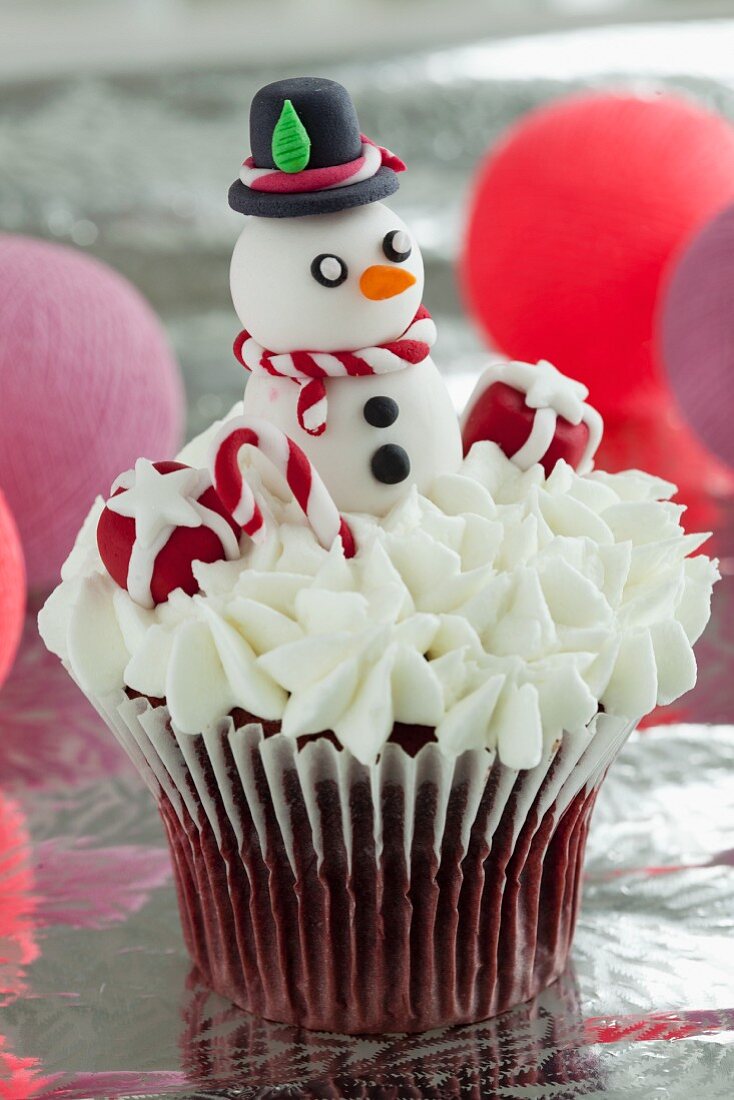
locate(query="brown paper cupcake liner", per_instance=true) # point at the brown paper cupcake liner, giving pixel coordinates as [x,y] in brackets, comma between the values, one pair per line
[419,892]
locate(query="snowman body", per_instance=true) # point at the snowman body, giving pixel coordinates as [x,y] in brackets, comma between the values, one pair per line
[366,458]
[340,283]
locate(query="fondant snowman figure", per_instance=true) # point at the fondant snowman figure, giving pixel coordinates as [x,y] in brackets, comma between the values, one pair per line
[344,406]
[328,282]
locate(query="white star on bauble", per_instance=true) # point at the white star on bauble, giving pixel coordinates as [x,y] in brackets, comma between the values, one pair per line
[546,388]
[158,502]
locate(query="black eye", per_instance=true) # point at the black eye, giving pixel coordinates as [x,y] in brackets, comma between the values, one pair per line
[397,246]
[329,270]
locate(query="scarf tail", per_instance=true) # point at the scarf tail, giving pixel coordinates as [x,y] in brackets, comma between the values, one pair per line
[312,407]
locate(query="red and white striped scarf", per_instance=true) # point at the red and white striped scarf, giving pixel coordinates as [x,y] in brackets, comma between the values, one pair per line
[311,369]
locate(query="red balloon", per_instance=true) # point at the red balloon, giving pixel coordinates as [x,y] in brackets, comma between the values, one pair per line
[116,535]
[573,218]
[12,589]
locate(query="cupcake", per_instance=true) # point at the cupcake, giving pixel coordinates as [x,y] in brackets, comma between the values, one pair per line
[374,663]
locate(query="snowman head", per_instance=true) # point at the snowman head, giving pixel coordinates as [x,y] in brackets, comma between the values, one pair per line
[327,282]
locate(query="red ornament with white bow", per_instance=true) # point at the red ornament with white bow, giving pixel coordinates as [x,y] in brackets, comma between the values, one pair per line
[160,519]
[534,414]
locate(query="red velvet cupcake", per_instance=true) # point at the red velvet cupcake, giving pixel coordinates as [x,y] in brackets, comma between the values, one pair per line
[377,785]
[374,686]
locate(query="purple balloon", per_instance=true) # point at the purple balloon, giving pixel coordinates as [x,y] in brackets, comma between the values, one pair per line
[697,334]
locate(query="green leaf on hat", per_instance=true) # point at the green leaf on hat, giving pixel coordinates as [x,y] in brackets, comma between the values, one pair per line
[291,143]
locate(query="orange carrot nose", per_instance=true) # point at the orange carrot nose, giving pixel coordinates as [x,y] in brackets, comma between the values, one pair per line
[381,281]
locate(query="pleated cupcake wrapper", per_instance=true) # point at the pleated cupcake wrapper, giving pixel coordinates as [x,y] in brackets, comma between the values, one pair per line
[408,895]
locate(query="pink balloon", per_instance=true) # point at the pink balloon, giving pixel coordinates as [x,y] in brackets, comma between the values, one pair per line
[696,334]
[12,589]
[88,384]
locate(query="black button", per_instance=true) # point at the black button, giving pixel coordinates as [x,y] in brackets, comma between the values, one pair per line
[381,412]
[390,464]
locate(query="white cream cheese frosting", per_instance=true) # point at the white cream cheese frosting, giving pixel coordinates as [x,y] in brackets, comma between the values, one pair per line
[501,609]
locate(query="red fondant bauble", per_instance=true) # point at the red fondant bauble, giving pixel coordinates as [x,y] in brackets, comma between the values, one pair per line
[573,219]
[173,566]
[501,415]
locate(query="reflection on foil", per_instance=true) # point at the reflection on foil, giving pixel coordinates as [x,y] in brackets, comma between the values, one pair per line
[535,1045]
[116,1085]
[659,1025]
[17,902]
[86,887]
[19,1076]
[50,733]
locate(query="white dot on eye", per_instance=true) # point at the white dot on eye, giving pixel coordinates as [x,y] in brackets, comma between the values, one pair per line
[401,241]
[331,268]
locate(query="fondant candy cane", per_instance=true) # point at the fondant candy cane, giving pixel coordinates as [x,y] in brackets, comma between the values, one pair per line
[288,458]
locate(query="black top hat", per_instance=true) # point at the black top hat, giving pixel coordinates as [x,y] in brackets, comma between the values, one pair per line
[297,127]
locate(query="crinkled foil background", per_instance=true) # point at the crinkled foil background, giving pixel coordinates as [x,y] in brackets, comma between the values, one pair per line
[96,998]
